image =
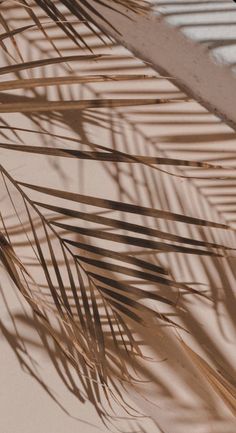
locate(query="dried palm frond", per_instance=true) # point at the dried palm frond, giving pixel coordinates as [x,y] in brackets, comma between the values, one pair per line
[102,263]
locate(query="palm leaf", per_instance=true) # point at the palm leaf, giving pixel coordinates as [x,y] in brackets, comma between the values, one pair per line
[84,291]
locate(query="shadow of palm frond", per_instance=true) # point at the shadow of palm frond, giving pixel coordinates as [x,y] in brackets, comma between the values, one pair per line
[175,130]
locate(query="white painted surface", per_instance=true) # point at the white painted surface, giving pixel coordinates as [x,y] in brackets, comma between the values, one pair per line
[193,42]
[189,404]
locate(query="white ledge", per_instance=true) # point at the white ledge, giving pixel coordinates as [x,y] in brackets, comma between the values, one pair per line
[191,41]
